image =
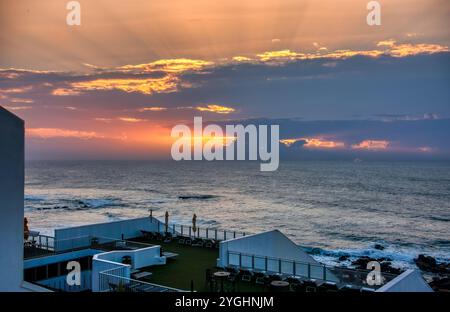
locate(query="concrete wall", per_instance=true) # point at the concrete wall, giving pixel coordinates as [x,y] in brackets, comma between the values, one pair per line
[79,236]
[11,201]
[140,258]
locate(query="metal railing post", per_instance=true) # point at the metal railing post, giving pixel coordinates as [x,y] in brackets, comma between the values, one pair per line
[224,235]
[324,273]
[294,268]
[182,231]
[207,232]
[266,264]
[215,234]
[309,270]
[253,262]
[279,266]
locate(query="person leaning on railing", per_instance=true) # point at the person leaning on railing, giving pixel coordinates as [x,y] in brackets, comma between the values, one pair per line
[26,230]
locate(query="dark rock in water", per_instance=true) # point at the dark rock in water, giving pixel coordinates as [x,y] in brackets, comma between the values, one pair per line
[361,262]
[198,197]
[315,251]
[344,258]
[385,264]
[429,264]
[379,247]
[441,284]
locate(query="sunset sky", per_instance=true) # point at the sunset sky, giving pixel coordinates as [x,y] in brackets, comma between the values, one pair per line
[114,86]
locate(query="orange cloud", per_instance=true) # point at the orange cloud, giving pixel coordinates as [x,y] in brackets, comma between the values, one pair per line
[16,90]
[318,143]
[65,92]
[391,48]
[46,133]
[18,100]
[130,119]
[166,84]
[241,59]
[152,109]
[213,108]
[103,119]
[386,43]
[169,65]
[403,50]
[372,145]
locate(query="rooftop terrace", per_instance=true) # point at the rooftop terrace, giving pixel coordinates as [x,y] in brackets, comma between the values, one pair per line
[191,264]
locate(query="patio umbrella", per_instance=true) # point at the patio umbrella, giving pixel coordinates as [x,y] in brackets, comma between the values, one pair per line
[166,225]
[194,223]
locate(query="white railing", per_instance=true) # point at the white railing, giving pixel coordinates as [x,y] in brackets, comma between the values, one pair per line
[115,280]
[310,271]
[200,232]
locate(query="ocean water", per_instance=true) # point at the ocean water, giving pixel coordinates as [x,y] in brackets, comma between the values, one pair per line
[334,207]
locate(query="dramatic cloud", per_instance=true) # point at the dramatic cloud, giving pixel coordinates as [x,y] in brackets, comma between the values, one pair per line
[166,84]
[390,99]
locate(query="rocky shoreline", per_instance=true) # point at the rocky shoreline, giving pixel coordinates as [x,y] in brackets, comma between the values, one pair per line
[436,274]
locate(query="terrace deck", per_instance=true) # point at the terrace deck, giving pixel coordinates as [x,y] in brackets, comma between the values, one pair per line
[190,265]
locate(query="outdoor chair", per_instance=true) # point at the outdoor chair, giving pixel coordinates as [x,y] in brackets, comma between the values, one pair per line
[197,243]
[147,234]
[246,275]
[259,278]
[310,286]
[298,287]
[275,277]
[168,238]
[328,287]
[350,289]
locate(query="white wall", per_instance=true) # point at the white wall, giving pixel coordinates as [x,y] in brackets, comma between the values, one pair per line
[40,261]
[408,281]
[270,244]
[11,201]
[79,236]
[275,246]
[140,258]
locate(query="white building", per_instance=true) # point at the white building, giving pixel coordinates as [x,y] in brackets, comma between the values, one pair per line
[11,196]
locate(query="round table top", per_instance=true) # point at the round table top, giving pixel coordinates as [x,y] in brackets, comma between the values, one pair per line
[222,274]
[279,283]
